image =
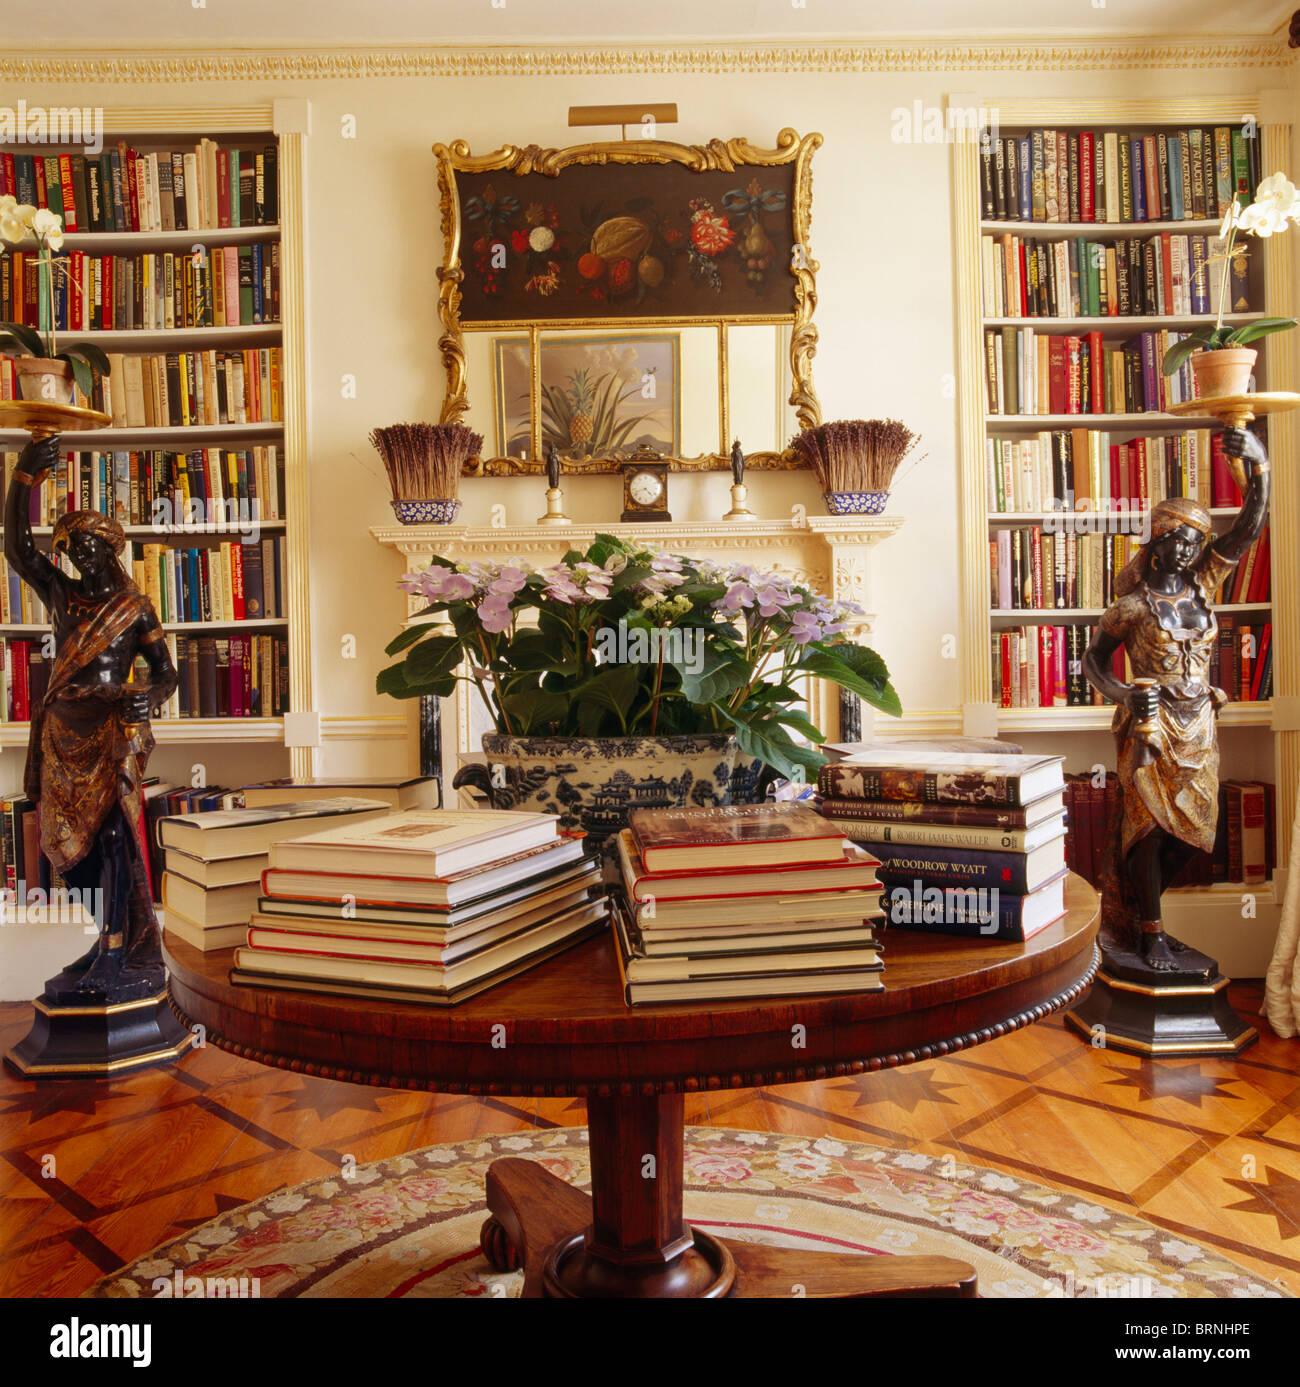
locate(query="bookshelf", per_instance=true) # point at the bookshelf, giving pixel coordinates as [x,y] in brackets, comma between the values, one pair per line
[283,125]
[1269,287]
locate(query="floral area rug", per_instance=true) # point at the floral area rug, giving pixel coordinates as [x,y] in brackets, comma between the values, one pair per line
[408,1226]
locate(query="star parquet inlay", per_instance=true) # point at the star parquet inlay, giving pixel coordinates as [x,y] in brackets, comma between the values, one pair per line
[93,1176]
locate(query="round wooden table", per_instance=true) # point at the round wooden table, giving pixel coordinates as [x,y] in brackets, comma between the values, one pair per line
[563,1029]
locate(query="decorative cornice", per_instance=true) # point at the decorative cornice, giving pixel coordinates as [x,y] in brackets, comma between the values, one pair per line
[48,64]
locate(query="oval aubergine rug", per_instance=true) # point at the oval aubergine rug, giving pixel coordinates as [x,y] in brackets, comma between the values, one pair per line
[408,1226]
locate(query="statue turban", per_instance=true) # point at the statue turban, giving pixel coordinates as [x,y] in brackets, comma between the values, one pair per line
[89,522]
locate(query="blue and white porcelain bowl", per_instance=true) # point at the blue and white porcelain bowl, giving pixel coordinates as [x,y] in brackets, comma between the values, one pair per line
[855,502]
[426,512]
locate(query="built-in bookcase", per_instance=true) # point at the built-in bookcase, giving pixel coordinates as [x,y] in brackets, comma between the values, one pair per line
[1064,319]
[206,448]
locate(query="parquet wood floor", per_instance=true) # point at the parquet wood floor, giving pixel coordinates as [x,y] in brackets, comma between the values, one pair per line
[94,1175]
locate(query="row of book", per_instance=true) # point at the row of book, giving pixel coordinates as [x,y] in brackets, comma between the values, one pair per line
[1033,568]
[209,286]
[1167,274]
[177,389]
[1117,176]
[230,676]
[1082,470]
[1032,372]
[1042,666]
[969,843]
[1245,844]
[205,486]
[749,901]
[180,389]
[222,583]
[219,677]
[123,189]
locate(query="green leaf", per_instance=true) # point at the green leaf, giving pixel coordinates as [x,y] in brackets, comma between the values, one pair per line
[88,352]
[1261,327]
[612,690]
[800,722]
[858,669]
[393,681]
[405,639]
[1180,351]
[772,744]
[23,336]
[435,658]
[534,708]
[81,373]
[719,676]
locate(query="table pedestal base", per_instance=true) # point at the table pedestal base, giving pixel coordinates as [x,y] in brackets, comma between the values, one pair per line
[628,1239]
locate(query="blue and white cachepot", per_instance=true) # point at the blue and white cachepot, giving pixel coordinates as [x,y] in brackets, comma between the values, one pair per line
[593,783]
[427,512]
[855,502]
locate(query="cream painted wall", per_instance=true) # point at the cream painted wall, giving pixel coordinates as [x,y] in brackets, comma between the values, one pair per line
[881,231]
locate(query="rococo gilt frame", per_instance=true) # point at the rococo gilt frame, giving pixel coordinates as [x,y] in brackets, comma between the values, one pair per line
[727,156]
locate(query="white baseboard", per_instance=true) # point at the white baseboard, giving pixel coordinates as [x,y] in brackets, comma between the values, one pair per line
[1211,919]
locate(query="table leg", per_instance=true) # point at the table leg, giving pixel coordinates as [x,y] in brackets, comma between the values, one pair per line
[629,1239]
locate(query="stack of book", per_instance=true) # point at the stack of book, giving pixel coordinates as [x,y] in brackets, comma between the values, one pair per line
[428,906]
[968,844]
[752,901]
[214,861]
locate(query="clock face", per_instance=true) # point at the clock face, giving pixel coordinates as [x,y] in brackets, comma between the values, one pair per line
[645,488]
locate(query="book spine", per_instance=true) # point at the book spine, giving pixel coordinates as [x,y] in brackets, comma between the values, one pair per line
[951,912]
[953,866]
[930,835]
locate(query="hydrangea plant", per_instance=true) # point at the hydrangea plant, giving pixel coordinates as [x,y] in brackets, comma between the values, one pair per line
[561,651]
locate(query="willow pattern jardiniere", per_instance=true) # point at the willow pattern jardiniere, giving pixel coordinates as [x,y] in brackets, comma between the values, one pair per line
[594,783]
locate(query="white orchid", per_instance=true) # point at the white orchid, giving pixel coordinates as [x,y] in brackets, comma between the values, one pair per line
[15,219]
[47,227]
[1276,203]
[19,223]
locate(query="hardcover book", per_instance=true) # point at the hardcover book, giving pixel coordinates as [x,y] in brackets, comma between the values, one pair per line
[953,778]
[421,843]
[756,835]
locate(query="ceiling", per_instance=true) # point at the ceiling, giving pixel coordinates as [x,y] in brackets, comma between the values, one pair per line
[316,23]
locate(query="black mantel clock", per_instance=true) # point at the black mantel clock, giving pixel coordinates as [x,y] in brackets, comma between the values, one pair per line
[645,492]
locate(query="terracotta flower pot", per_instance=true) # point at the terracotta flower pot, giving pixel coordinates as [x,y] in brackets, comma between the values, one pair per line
[1224,372]
[41,381]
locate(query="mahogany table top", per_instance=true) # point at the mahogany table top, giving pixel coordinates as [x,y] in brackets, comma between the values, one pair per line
[563,1027]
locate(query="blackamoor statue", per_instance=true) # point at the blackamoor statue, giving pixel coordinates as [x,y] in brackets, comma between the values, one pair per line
[1166,720]
[90,736]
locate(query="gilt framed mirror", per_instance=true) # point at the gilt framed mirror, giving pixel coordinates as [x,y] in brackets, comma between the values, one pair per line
[628,296]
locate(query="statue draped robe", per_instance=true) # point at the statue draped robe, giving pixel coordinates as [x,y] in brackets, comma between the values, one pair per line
[83,761]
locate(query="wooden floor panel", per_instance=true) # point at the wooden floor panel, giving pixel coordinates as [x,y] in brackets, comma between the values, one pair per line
[1207,1149]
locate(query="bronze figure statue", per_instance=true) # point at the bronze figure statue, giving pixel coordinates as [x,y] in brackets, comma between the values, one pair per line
[737,463]
[552,466]
[1166,720]
[90,736]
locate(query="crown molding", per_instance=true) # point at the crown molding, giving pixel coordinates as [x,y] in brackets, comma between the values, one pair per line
[349,62]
